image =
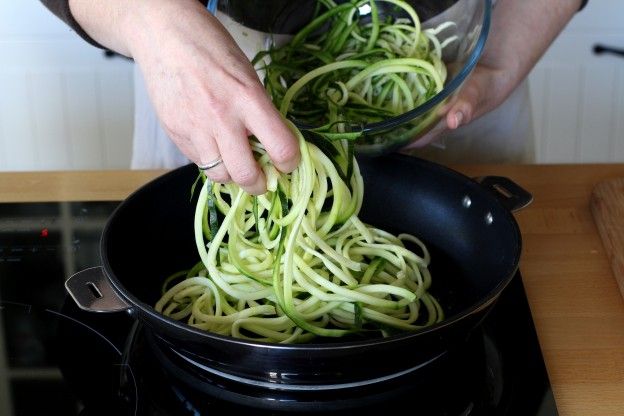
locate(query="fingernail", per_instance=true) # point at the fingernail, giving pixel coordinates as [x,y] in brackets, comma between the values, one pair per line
[259,187]
[294,163]
[459,117]
[289,164]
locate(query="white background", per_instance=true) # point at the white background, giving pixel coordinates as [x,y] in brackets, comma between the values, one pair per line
[578,97]
[62,104]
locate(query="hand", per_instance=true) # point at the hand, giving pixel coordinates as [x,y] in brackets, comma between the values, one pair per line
[520,33]
[483,91]
[205,92]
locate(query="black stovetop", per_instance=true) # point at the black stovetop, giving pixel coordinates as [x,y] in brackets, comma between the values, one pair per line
[56,359]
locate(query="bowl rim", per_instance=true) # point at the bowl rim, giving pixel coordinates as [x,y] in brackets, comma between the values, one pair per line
[452,86]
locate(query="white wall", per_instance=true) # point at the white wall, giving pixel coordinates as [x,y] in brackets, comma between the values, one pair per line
[578,97]
[62,104]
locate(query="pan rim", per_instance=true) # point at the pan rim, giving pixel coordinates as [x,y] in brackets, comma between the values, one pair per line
[146,309]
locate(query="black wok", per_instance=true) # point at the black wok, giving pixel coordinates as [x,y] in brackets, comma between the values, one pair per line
[475,246]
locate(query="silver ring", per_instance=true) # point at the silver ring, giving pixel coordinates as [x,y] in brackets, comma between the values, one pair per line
[211,165]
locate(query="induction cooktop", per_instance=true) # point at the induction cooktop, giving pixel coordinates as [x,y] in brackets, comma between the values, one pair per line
[57,359]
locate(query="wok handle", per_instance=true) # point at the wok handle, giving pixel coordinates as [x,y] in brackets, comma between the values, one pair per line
[92,291]
[512,195]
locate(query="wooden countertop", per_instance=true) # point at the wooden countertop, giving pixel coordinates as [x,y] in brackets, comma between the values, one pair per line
[576,304]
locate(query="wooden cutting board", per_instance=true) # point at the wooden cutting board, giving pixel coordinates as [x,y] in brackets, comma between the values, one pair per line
[607,206]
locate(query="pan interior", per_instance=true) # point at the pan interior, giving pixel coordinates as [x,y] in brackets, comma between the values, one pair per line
[474,245]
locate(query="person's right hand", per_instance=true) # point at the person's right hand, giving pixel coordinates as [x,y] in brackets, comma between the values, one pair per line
[206,93]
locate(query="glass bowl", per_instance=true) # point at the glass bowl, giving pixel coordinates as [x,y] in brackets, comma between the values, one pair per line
[471,22]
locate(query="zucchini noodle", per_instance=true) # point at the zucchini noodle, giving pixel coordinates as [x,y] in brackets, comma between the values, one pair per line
[349,66]
[297,262]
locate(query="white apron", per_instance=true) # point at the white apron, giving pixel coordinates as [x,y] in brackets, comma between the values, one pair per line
[503,136]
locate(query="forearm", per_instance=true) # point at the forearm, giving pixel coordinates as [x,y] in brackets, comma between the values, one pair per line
[520,34]
[120,24]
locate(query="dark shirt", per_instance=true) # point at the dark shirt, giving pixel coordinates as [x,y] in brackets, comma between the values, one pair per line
[61,9]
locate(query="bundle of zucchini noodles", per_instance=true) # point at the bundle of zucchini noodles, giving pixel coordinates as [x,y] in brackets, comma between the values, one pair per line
[297,262]
[341,71]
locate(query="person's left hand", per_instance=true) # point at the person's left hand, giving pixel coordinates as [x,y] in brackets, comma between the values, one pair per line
[520,33]
[481,93]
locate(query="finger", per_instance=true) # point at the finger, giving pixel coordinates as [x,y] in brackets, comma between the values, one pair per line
[459,114]
[454,118]
[208,153]
[266,123]
[238,158]
[184,144]
[462,110]
[429,137]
